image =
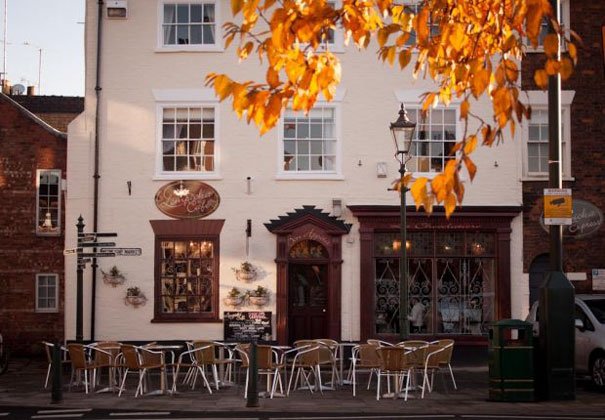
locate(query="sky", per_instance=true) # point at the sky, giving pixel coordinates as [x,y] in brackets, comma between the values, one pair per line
[56,27]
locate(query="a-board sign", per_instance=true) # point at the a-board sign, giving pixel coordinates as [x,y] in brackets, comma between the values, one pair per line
[247,326]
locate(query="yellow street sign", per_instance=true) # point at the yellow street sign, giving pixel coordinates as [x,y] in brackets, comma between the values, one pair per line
[558,209]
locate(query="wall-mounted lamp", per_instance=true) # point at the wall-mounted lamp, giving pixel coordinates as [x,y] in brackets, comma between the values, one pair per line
[248,185]
[337,207]
[129,185]
[181,191]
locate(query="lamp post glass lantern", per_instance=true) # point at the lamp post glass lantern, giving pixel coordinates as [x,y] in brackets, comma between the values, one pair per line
[403,136]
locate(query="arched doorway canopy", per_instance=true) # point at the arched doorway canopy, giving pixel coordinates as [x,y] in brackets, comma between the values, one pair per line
[308,234]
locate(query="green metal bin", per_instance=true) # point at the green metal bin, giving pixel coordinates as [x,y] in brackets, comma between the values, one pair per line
[511,364]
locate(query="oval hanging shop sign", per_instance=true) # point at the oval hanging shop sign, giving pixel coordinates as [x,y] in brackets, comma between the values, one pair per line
[586,220]
[187,199]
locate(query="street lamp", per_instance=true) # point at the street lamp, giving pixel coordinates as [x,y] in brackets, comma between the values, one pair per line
[403,136]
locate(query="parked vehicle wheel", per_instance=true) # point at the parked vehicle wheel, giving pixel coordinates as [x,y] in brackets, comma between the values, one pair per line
[597,372]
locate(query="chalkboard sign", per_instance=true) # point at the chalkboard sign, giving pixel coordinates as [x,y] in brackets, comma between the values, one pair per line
[247,326]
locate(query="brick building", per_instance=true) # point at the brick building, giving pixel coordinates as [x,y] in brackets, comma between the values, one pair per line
[583,130]
[32,179]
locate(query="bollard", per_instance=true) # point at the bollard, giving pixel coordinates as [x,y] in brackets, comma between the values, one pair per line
[252,400]
[56,395]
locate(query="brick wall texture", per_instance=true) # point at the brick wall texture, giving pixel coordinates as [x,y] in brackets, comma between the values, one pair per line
[26,146]
[587,151]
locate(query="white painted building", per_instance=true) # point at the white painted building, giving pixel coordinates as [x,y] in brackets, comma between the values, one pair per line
[315,190]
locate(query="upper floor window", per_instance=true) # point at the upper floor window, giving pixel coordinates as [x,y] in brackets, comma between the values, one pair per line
[535,135]
[189,25]
[537,143]
[47,293]
[434,138]
[310,142]
[188,139]
[564,21]
[48,191]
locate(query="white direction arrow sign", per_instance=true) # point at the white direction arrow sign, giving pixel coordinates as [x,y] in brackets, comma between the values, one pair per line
[123,252]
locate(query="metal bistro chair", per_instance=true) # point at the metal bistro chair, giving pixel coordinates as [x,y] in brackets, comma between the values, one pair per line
[394,364]
[304,364]
[438,358]
[268,364]
[188,359]
[141,360]
[48,350]
[81,361]
[206,356]
[364,358]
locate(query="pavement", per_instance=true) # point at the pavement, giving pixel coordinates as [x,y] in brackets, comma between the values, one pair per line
[23,386]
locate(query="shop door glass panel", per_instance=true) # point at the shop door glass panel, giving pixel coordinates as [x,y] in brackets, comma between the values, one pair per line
[307,301]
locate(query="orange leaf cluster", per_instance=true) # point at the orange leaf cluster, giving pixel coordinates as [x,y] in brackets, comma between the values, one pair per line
[470,48]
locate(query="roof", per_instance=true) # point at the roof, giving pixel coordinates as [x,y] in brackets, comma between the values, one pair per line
[28,114]
[50,104]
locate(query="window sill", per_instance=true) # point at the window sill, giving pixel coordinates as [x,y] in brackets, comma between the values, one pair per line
[176,318]
[47,311]
[191,49]
[197,176]
[544,178]
[309,177]
[49,234]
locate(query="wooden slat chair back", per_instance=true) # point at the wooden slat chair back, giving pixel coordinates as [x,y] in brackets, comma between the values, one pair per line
[188,359]
[394,363]
[438,358]
[306,361]
[267,362]
[81,362]
[141,360]
[364,358]
[206,355]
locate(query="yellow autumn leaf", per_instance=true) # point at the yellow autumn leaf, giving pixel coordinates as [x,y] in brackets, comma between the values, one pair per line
[510,67]
[391,54]
[457,37]
[404,58]
[573,52]
[470,166]
[464,108]
[236,6]
[541,78]
[566,68]
[272,77]
[552,67]
[470,144]
[551,45]
[479,82]
[421,25]
[449,204]
[418,191]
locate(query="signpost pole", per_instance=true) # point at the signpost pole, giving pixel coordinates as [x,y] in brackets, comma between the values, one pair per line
[557,331]
[79,287]
[252,400]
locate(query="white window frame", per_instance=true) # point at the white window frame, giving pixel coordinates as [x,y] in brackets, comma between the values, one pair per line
[218,45]
[39,230]
[411,99]
[539,101]
[186,98]
[565,22]
[336,174]
[54,309]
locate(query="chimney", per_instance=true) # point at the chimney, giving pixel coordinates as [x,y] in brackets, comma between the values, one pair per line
[31,91]
[6,87]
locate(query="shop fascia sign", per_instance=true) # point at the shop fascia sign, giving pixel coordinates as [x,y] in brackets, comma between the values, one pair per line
[586,220]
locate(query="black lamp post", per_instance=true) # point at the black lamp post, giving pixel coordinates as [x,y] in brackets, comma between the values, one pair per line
[403,135]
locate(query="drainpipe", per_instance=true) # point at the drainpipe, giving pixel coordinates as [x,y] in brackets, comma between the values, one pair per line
[96,176]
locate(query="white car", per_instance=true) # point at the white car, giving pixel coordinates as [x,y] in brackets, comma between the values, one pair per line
[590,336]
